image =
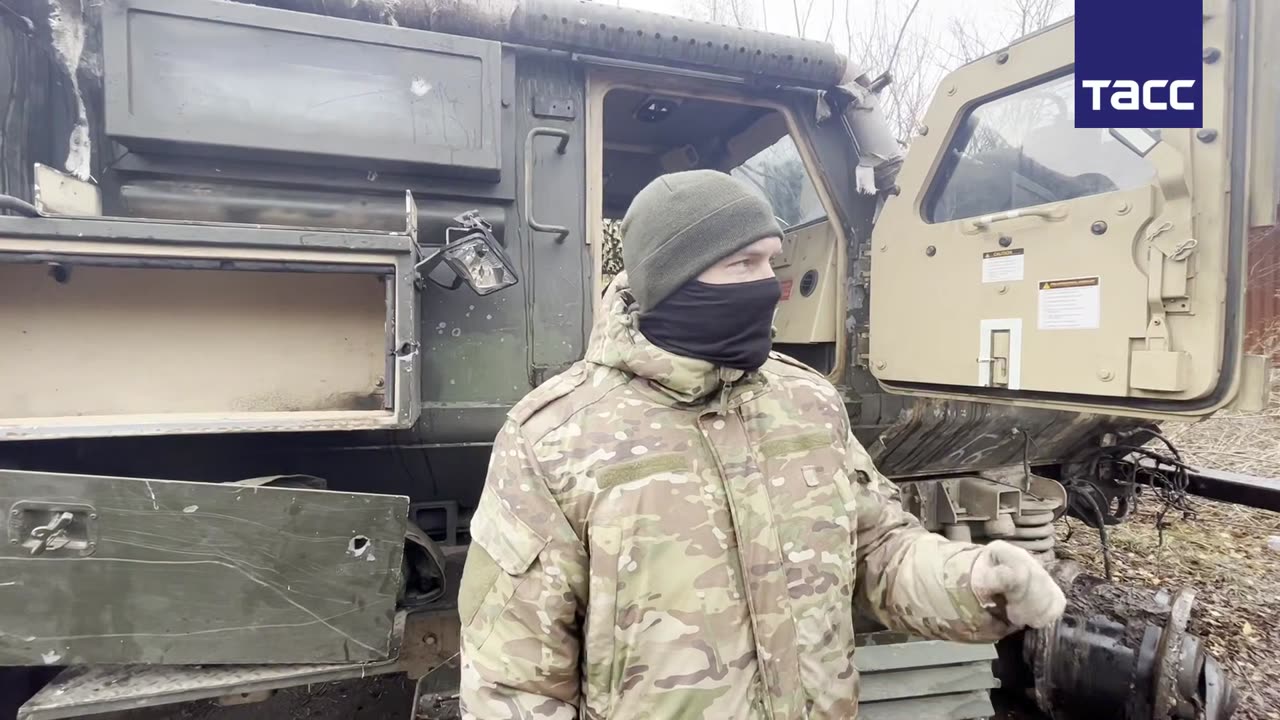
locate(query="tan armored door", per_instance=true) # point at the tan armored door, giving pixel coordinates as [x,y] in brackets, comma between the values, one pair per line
[1030,261]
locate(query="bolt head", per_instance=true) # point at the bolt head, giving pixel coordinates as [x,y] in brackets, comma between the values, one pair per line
[1002,58]
[880,364]
[1207,135]
[1005,241]
[1211,55]
[951,90]
[924,130]
[931,251]
[1105,375]
[1098,228]
[1123,208]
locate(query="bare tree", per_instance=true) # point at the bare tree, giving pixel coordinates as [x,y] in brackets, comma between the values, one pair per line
[725,12]
[1021,17]
[887,36]
[801,25]
[891,36]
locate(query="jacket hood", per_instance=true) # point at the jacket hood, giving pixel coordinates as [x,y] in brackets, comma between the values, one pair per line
[616,342]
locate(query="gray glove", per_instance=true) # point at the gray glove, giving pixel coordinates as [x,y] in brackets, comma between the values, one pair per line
[1007,577]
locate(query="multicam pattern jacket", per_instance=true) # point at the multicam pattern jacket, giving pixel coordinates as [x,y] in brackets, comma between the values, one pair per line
[660,539]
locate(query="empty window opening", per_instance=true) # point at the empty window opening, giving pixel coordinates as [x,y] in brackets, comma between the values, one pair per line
[647,135]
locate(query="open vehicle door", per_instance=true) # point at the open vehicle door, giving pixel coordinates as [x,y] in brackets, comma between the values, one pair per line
[1029,261]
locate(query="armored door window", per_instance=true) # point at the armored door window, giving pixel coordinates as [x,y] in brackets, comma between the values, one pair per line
[1025,261]
[1022,149]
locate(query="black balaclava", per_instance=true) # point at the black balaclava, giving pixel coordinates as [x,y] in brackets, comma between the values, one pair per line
[727,325]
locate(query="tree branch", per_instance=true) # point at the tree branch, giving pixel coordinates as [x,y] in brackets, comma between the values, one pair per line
[901,30]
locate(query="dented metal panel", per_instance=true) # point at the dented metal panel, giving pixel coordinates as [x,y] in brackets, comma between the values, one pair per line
[124,570]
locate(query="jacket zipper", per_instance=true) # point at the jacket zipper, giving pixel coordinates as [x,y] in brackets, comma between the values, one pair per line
[726,386]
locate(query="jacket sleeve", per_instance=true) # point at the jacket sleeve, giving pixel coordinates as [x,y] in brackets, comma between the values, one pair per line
[909,579]
[520,594]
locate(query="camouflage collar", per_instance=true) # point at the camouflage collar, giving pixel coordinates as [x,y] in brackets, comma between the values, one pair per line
[616,342]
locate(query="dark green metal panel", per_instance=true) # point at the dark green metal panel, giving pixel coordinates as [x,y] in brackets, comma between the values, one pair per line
[243,81]
[552,208]
[960,706]
[877,658]
[923,682]
[160,571]
[912,679]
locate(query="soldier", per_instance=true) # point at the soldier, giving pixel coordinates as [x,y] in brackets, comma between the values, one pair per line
[682,524]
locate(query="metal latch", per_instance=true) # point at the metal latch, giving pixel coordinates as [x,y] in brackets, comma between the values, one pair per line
[996,366]
[53,529]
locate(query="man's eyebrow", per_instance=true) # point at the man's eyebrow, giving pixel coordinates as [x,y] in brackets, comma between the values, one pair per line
[753,253]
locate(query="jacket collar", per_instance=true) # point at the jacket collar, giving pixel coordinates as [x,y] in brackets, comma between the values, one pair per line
[616,342]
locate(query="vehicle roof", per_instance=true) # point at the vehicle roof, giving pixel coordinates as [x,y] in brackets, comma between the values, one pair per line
[595,28]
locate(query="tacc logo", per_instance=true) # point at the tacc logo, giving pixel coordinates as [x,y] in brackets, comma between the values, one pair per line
[1139,64]
[1150,95]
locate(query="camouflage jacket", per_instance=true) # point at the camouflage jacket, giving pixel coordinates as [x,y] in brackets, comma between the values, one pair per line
[660,539]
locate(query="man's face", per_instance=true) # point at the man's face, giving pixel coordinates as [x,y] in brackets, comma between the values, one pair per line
[747,265]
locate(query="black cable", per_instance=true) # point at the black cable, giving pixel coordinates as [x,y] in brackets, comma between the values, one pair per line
[1154,455]
[1102,533]
[18,205]
[1159,436]
[1026,458]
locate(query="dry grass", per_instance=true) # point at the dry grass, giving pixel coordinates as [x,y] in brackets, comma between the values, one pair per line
[1221,551]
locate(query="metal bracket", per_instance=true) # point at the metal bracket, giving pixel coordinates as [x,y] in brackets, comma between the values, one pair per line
[555,108]
[57,193]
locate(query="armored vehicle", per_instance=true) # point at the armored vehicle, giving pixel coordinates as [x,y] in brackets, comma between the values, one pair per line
[272,273]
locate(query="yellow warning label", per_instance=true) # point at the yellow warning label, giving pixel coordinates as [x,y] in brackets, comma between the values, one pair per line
[1071,304]
[1000,266]
[1002,253]
[1069,283]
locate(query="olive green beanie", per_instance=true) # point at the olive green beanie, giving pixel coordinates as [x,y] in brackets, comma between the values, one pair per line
[683,223]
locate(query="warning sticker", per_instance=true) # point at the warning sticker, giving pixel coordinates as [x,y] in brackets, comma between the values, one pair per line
[1002,266]
[1072,304]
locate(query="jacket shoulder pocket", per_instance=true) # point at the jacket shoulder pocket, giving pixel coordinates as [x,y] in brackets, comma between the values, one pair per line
[503,548]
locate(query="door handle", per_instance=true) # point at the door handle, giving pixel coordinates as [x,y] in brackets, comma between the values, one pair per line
[561,232]
[1048,212]
[54,529]
[54,533]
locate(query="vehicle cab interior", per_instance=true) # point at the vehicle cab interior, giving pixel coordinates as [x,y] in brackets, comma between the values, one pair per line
[646,132]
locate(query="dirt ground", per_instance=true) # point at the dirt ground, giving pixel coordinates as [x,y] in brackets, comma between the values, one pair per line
[1220,550]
